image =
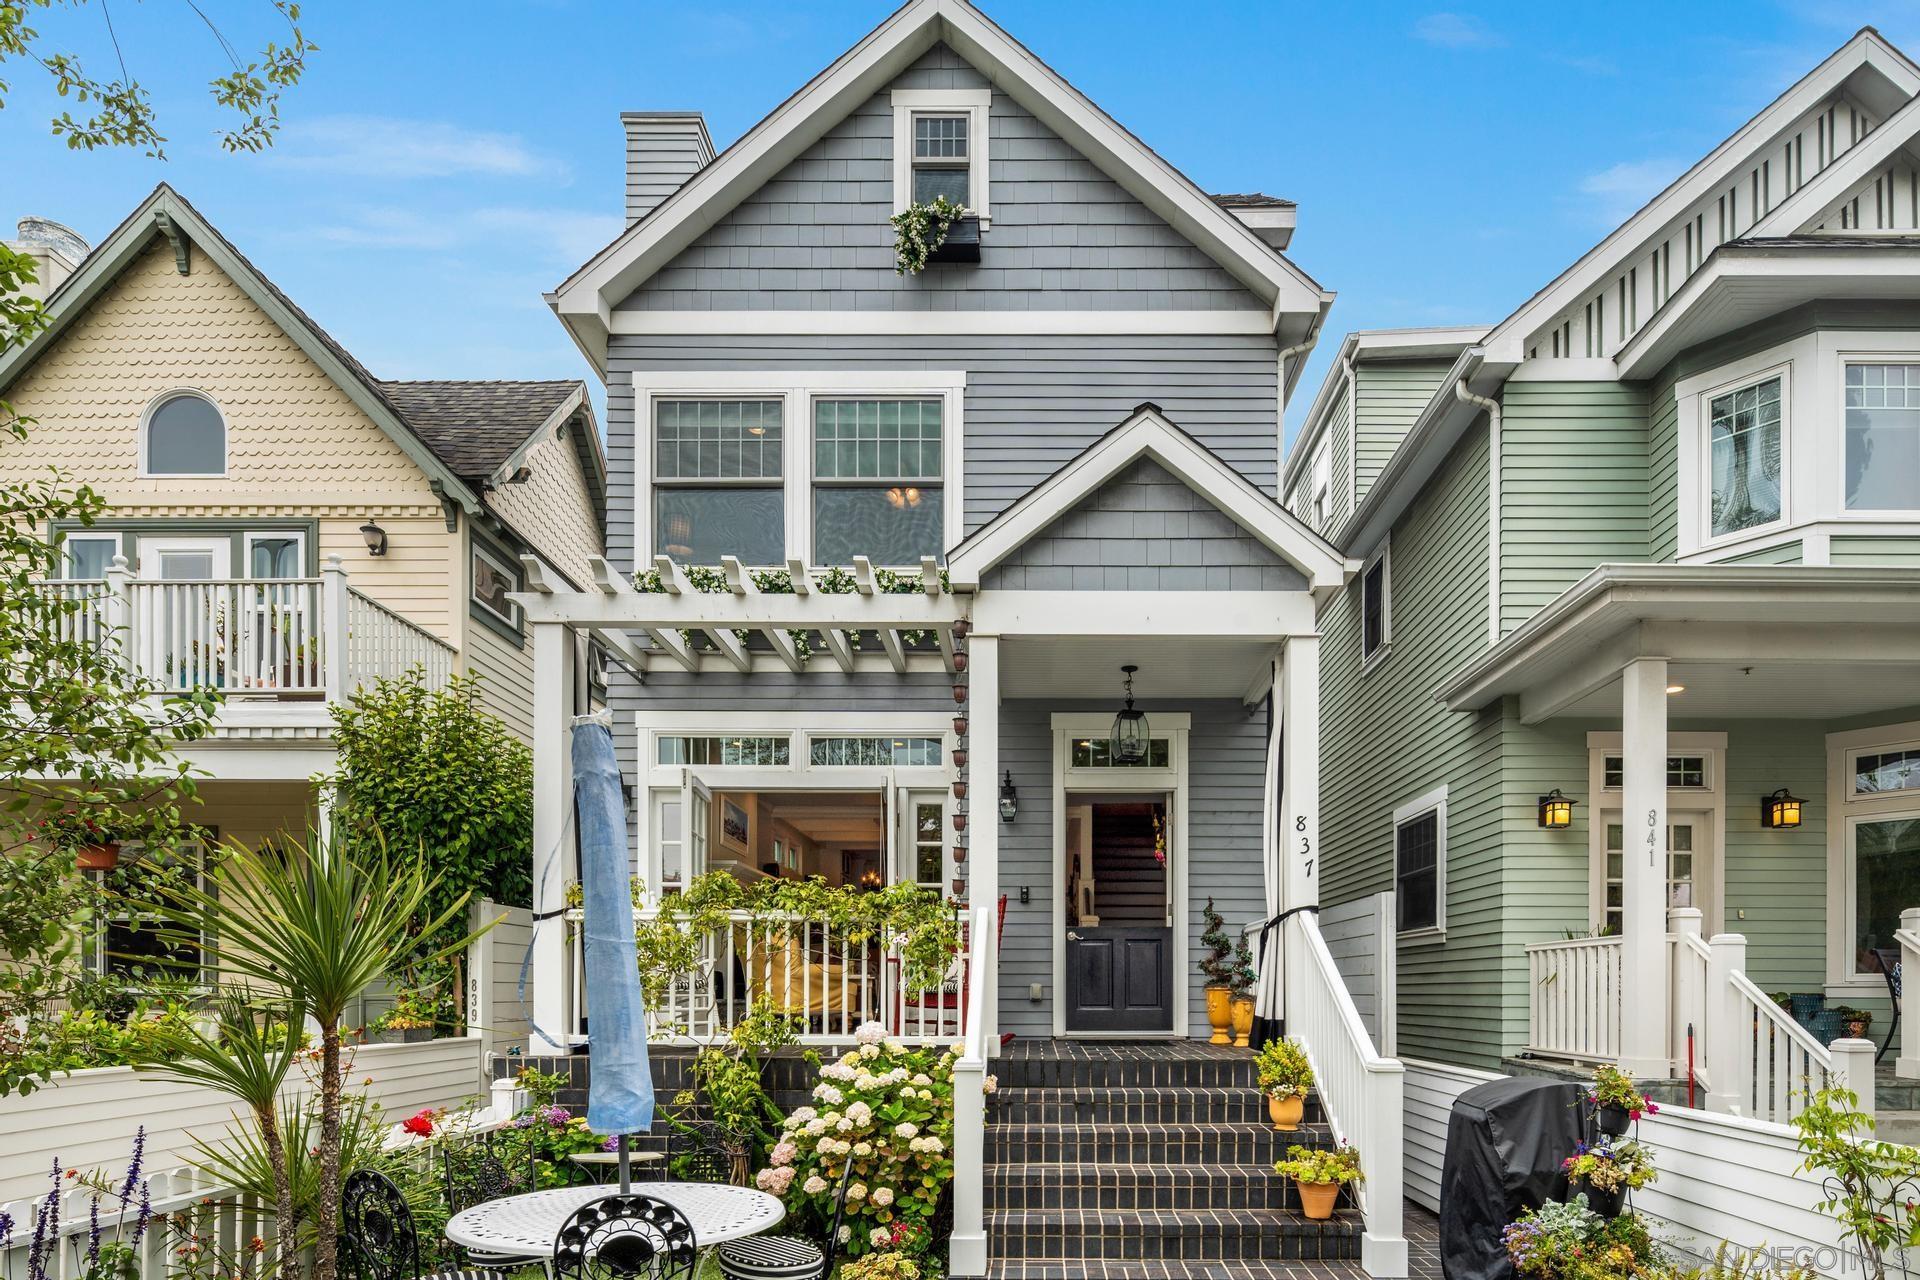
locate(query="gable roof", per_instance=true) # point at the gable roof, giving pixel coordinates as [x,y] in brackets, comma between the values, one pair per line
[1148,433]
[584,301]
[446,428]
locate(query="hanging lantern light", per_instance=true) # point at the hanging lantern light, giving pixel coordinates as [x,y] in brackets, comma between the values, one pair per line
[1009,798]
[1781,809]
[1128,741]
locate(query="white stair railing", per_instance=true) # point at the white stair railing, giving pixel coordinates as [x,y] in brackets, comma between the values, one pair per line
[967,1248]
[383,645]
[1689,962]
[1360,1089]
[1774,1063]
[1574,999]
[1907,1065]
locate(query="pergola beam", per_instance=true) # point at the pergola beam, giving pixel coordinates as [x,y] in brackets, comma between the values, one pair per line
[896,652]
[674,645]
[840,647]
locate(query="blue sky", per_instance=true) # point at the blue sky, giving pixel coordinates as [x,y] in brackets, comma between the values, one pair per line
[445,164]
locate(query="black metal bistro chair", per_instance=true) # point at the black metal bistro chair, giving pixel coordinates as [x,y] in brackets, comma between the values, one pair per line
[703,1151]
[474,1174]
[377,1238]
[1889,961]
[786,1257]
[625,1237]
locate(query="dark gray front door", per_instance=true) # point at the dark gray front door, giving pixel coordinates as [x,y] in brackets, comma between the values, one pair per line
[1119,978]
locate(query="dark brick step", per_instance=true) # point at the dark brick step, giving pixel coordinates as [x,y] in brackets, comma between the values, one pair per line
[1150,1235]
[1200,1067]
[1157,1105]
[1199,1144]
[1099,1269]
[1017,1187]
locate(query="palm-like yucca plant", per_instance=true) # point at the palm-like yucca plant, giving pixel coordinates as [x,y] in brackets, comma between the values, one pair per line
[316,924]
[247,1055]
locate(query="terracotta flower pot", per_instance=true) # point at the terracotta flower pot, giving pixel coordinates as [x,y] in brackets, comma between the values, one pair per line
[1318,1198]
[98,857]
[1286,1112]
[1220,1014]
[1242,1021]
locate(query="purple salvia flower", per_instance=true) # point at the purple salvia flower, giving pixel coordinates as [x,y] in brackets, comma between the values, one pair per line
[93,1231]
[134,1167]
[6,1229]
[145,1215]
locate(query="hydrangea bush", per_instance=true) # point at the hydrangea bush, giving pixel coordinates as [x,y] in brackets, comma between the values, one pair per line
[887,1110]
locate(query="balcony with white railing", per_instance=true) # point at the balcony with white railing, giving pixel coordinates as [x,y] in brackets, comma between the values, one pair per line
[816,972]
[275,651]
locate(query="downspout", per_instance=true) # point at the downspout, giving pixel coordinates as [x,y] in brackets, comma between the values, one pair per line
[1493,503]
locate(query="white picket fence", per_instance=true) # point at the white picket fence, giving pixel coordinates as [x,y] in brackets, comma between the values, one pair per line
[184,1205]
[1574,999]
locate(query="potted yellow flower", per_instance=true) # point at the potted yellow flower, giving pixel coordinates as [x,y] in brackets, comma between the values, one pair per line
[1318,1175]
[1285,1076]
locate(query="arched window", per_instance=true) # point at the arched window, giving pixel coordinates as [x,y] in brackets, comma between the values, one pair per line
[185,436]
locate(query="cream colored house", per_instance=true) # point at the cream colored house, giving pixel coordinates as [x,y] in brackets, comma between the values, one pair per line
[283,525]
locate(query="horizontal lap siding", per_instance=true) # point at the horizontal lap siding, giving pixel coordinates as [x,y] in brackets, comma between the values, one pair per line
[1385,742]
[1391,394]
[1573,487]
[1144,530]
[1785,553]
[1881,551]
[1227,751]
[1778,878]
[1339,460]
[1663,474]
[506,676]
[1064,236]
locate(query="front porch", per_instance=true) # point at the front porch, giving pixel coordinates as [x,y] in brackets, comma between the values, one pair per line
[1743,752]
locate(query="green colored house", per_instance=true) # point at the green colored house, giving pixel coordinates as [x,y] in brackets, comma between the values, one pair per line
[1650,544]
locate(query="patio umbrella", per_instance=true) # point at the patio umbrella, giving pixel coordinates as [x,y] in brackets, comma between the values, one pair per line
[620,1083]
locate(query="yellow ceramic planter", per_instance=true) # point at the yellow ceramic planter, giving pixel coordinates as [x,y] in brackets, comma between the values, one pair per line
[1286,1112]
[1220,1014]
[1242,1014]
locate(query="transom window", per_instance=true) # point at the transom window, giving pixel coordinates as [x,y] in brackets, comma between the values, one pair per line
[875,752]
[1883,771]
[942,158]
[718,480]
[675,749]
[1097,753]
[1744,457]
[877,480]
[1682,772]
[1883,437]
[185,436]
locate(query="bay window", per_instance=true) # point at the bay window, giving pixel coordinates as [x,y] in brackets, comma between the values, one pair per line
[877,481]
[1743,437]
[1883,437]
[718,480]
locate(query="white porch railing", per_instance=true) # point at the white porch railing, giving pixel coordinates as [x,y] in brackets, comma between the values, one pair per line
[382,645]
[1361,1091]
[1689,963]
[1574,999]
[967,1248]
[294,639]
[803,967]
[1907,1065]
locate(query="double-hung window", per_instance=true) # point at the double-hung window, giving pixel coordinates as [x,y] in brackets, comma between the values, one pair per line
[877,473]
[1743,444]
[718,480]
[1420,864]
[1883,437]
[942,158]
[1375,609]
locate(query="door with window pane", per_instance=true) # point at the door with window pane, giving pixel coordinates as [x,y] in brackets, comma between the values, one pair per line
[921,847]
[1689,879]
[279,643]
[1885,871]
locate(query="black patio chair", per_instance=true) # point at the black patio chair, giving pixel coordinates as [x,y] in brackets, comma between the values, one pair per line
[473,1174]
[377,1238]
[630,1237]
[786,1257]
[703,1151]
[1889,961]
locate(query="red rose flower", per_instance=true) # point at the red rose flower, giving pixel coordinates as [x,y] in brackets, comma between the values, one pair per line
[421,1124]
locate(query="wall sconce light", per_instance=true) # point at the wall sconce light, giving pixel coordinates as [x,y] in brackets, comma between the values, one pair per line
[376,538]
[1009,805]
[1781,809]
[1556,810]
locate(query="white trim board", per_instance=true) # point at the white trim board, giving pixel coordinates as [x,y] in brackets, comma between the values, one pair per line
[940,323]
[1845,810]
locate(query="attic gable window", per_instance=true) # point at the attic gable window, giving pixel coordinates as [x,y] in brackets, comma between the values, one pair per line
[940,148]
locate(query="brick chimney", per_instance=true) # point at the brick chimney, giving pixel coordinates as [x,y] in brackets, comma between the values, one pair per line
[664,149]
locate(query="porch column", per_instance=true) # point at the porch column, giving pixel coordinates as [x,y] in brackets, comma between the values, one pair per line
[1645,992]
[983,772]
[553,691]
[1299,833]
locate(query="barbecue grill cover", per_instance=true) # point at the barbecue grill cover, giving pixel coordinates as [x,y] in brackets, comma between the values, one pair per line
[1505,1142]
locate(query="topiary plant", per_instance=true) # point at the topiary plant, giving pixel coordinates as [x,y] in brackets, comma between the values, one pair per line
[1219,962]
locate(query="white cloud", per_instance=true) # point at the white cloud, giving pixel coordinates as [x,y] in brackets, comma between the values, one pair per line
[565,236]
[384,147]
[1617,192]
[1457,31]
